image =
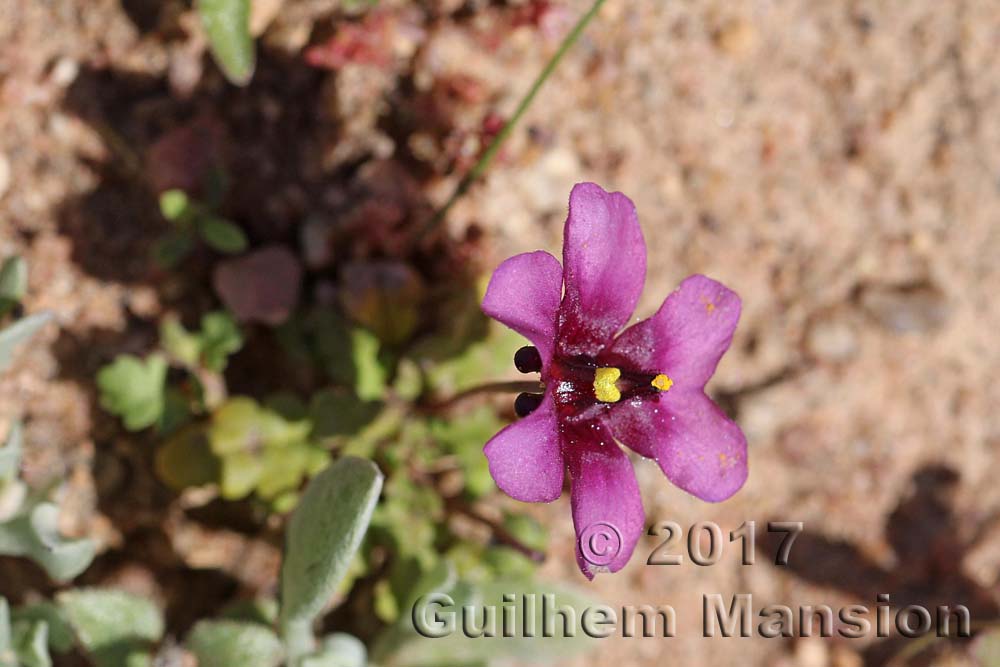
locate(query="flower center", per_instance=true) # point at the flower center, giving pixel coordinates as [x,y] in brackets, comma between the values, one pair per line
[604,384]
[580,386]
[606,387]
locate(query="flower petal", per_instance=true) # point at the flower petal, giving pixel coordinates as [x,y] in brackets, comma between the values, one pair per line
[607,507]
[686,337]
[698,447]
[605,266]
[524,294]
[525,459]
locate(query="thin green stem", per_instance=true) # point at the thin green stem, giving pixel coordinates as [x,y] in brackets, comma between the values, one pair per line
[491,151]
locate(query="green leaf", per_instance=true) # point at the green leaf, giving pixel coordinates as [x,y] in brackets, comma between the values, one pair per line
[220,338]
[186,460]
[230,643]
[323,535]
[222,235]
[334,413]
[182,345]
[241,472]
[242,425]
[7,657]
[31,644]
[60,633]
[114,627]
[10,453]
[371,374]
[17,334]
[35,534]
[133,389]
[13,283]
[337,650]
[284,468]
[403,646]
[227,24]
[211,347]
[174,204]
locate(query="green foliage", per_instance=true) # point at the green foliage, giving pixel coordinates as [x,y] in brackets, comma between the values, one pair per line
[337,650]
[192,220]
[34,532]
[13,283]
[174,204]
[211,347]
[371,374]
[116,628]
[340,413]
[60,634]
[321,539]
[227,643]
[227,24]
[10,454]
[133,389]
[261,451]
[222,235]
[464,436]
[186,460]
[17,334]
[24,643]
[29,526]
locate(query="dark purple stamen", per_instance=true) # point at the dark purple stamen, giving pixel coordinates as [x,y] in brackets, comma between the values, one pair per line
[528,360]
[526,403]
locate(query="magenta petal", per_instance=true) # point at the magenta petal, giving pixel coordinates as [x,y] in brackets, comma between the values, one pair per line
[607,507]
[687,336]
[605,266]
[525,459]
[524,294]
[698,447]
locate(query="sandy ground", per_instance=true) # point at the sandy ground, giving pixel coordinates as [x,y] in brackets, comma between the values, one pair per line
[836,163]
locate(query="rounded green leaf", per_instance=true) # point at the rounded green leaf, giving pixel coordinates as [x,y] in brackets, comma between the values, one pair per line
[228,643]
[186,460]
[338,650]
[227,24]
[114,627]
[133,389]
[35,534]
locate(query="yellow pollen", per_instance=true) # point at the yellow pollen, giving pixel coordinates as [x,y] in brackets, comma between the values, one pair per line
[604,384]
[662,382]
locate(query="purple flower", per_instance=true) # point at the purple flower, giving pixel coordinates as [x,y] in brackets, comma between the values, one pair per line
[643,387]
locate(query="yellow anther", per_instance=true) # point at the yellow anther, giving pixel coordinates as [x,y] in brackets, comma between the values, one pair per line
[662,382]
[604,384]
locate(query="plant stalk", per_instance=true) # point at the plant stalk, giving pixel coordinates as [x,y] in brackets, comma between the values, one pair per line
[491,151]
